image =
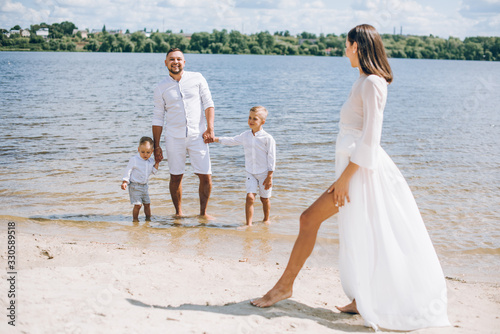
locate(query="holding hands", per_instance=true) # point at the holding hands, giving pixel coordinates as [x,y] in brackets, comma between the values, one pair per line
[158,153]
[209,136]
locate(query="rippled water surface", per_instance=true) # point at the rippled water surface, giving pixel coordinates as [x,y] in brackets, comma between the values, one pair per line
[71,121]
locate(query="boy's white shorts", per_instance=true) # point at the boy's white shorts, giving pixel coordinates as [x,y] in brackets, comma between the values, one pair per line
[176,150]
[254,182]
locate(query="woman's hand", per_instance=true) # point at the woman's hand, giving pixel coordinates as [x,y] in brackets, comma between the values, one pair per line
[340,188]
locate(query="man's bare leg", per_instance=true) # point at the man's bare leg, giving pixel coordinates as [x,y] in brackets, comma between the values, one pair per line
[175,187]
[205,190]
[351,308]
[249,208]
[310,221]
[266,207]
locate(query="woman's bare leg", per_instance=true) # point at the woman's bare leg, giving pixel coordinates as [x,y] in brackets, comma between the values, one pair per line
[310,221]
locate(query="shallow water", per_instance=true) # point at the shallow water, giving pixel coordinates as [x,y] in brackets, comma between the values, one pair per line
[71,121]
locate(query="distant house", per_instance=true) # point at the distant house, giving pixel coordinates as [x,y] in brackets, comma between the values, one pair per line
[7,34]
[14,32]
[111,32]
[25,33]
[146,33]
[310,40]
[83,33]
[43,32]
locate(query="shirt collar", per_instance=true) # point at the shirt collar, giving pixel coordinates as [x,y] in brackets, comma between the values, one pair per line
[258,133]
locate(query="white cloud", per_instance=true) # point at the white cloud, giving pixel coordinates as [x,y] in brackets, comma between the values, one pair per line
[12,7]
[468,18]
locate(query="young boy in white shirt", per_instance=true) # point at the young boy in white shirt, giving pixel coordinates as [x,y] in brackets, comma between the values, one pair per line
[137,173]
[260,161]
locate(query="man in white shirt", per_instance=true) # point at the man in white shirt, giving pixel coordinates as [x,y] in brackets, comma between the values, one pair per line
[183,102]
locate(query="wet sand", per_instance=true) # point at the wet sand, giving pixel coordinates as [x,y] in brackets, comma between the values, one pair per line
[73,278]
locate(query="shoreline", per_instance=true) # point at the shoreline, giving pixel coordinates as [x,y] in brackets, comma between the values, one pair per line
[67,283]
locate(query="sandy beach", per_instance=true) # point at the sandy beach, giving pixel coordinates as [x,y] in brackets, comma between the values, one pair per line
[66,283]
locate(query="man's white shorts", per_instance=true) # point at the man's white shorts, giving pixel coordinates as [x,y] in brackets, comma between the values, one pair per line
[255,182]
[177,148]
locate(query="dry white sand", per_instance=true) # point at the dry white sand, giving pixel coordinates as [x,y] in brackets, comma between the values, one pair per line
[69,284]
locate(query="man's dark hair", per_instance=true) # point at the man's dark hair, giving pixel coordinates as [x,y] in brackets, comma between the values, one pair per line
[173,50]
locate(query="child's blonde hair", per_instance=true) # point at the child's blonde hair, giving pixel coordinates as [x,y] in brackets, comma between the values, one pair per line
[261,111]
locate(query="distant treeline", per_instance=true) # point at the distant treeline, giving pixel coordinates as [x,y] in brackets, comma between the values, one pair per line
[61,38]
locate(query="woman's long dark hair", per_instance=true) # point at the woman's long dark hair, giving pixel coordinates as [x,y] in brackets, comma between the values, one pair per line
[371,52]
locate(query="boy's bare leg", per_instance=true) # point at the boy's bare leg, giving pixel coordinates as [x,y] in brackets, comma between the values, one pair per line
[266,207]
[147,211]
[175,187]
[310,221]
[204,192]
[135,212]
[249,208]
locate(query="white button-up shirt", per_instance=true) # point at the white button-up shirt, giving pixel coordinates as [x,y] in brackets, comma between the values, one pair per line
[181,105]
[138,170]
[260,150]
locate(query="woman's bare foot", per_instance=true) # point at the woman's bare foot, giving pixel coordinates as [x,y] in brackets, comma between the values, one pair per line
[274,295]
[351,308]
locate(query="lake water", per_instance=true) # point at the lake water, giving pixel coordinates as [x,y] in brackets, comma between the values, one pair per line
[71,121]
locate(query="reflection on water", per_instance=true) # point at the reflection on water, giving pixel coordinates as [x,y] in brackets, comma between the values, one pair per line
[71,121]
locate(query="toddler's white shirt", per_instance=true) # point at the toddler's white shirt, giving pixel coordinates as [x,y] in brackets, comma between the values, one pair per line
[138,170]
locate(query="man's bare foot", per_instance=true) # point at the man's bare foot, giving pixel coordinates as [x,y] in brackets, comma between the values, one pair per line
[267,222]
[351,308]
[274,295]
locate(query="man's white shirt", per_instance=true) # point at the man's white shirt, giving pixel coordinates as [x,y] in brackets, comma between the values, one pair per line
[180,105]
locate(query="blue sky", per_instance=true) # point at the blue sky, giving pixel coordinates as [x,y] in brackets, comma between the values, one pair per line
[417,17]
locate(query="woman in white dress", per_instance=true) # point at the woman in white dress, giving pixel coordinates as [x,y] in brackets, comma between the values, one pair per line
[388,266]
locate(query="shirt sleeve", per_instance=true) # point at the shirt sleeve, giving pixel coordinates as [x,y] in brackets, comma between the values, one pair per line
[232,141]
[151,162]
[128,171]
[206,96]
[271,155]
[159,107]
[374,93]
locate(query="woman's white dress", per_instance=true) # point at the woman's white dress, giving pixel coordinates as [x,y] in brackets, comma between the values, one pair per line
[387,260]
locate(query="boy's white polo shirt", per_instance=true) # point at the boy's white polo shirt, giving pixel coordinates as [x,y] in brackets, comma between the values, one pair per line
[260,150]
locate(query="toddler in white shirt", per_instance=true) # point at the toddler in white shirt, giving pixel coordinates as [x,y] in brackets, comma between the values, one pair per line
[136,175]
[260,161]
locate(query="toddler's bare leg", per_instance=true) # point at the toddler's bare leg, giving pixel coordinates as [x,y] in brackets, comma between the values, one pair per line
[135,212]
[147,211]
